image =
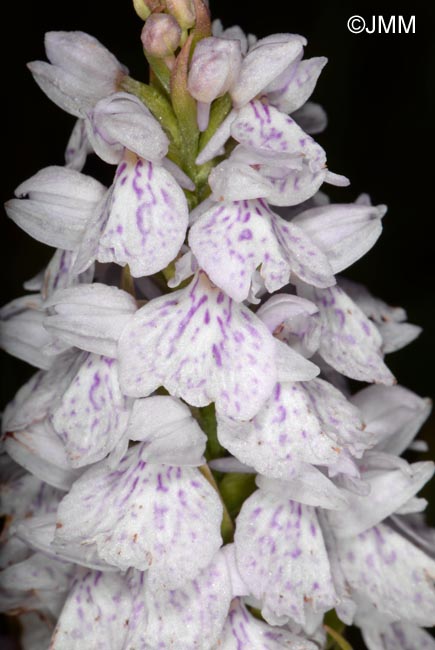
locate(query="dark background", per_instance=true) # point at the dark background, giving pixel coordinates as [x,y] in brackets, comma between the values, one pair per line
[378,93]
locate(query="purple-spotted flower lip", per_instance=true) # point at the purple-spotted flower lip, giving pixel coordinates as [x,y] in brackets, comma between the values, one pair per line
[275,541]
[231,240]
[158,518]
[203,347]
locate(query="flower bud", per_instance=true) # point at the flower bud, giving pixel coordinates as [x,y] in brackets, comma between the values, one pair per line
[214,68]
[141,9]
[145,8]
[161,35]
[183,11]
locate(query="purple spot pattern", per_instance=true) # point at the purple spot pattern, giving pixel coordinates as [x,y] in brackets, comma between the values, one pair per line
[303,422]
[147,219]
[194,614]
[93,413]
[157,517]
[349,341]
[60,273]
[300,167]
[96,612]
[392,573]
[231,241]
[279,559]
[230,361]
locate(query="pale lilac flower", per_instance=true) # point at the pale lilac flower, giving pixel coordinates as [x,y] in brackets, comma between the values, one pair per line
[128,507]
[349,341]
[277,541]
[231,240]
[276,160]
[304,422]
[203,347]
[143,218]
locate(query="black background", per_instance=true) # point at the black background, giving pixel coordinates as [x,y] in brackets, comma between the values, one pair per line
[378,93]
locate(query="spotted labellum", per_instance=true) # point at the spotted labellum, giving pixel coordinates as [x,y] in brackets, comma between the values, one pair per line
[190,466]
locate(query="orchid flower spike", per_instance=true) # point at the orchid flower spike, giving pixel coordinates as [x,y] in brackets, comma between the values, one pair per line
[190,466]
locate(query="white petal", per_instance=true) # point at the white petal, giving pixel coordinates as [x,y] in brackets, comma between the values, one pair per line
[185,266]
[96,613]
[93,413]
[395,576]
[343,232]
[292,366]
[237,181]
[283,307]
[181,177]
[90,317]
[41,452]
[389,491]
[288,317]
[263,63]
[396,336]
[147,218]
[244,632]
[282,558]
[311,487]
[393,414]
[54,205]
[22,333]
[294,86]
[191,616]
[121,121]
[201,347]
[152,517]
[38,533]
[83,71]
[349,342]
[172,435]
